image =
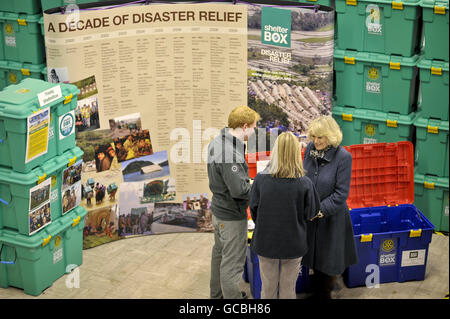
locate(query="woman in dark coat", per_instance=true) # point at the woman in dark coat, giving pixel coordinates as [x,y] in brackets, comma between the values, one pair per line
[330,234]
[282,200]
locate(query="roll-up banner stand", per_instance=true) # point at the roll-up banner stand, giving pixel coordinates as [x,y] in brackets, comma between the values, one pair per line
[157,82]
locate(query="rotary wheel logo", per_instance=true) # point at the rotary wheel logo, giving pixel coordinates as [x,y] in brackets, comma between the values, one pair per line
[373,73]
[9,29]
[388,245]
[370,130]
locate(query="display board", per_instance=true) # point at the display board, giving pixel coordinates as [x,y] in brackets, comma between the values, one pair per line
[157,82]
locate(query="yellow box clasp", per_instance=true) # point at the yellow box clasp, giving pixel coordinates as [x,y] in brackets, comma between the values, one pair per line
[42,178]
[76,221]
[46,240]
[68,98]
[394,65]
[439,10]
[347,117]
[25,72]
[428,185]
[433,129]
[351,2]
[436,71]
[22,21]
[397,5]
[415,233]
[390,123]
[72,161]
[349,60]
[366,238]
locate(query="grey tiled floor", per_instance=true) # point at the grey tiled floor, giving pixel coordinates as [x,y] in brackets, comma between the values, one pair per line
[174,266]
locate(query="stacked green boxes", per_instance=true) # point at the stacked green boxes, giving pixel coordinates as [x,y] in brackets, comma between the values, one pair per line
[22,38]
[41,222]
[21,6]
[15,189]
[35,263]
[18,103]
[12,72]
[48,4]
[432,143]
[376,81]
[376,76]
[379,26]
[435,29]
[360,126]
[431,197]
[433,98]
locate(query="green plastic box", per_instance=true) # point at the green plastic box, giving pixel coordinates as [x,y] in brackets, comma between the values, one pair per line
[433,96]
[49,4]
[328,3]
[13,72]
[2,42]
[435,29]
[379,26]
[17,104]
[22,38]
[376,81]
[431,146]
[35,263]
[16,189]
[21,6]
[431,197]
[368,126]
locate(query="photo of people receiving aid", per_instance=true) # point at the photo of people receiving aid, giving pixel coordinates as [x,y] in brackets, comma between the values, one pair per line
[135,145]
[299,210]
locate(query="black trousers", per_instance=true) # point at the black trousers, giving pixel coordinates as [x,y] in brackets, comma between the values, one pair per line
[323,284]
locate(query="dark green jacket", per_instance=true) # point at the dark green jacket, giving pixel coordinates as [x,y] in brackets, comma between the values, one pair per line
[228,177]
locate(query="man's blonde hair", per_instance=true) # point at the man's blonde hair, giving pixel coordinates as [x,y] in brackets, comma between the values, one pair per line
[242,115]
[326,126]
[286,157]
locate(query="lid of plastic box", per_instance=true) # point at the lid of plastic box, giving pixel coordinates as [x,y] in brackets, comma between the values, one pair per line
[382,174]
[44,236]
[42,172]
[432,3]
[431,124]
[373,115]
[13,65]
[376,57]
[30,18]
[431,181]
[427,64]
[20,100]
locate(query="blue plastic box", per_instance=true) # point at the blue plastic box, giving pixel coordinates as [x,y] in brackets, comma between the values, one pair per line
[391,235]
[254,278]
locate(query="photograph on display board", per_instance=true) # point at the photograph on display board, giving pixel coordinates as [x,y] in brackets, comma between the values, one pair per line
[104,156]
[168,217]
[201,204]
[101,226]
[290,78]
[39,208]
[157,190]
[99,189]
[71,187]
[125,125]
[58,75]
[145,168]
[86,114]
[135,219]
[135,145]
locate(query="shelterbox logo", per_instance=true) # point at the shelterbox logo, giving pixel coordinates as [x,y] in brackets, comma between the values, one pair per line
[276,27]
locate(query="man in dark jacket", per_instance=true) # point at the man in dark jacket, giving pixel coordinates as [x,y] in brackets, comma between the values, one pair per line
[230,185]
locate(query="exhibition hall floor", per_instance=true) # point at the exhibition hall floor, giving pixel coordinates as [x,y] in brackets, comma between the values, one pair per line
[175,266]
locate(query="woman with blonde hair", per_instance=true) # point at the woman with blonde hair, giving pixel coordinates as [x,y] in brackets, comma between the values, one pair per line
[330,234]
[282,200]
